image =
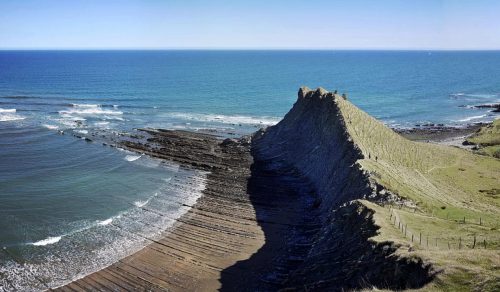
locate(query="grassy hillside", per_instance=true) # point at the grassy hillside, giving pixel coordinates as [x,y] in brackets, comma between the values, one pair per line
[488,139]
[452,199]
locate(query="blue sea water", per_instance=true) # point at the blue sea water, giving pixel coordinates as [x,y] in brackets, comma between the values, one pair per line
[64,198]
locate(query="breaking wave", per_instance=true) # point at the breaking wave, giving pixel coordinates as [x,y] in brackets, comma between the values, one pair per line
[132,157]
[47,241]
[7,115]
[227,119]
[472,118]
[50,127]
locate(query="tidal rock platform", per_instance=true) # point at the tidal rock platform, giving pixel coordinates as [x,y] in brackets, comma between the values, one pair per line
[297,207]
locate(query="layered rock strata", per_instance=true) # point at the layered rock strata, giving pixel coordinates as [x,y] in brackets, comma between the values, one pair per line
[279,211]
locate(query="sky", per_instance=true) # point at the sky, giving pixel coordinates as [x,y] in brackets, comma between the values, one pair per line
[253,24]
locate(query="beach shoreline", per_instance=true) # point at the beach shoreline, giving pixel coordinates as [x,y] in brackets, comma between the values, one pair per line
[438,133]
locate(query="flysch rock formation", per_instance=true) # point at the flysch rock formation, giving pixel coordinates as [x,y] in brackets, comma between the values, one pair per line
[315,139]
[280,211]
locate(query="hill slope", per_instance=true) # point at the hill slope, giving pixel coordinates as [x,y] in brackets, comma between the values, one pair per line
[437,205]
[488,139]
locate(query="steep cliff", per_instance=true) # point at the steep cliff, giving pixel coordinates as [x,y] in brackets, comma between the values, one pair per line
[313,137]
[351,159]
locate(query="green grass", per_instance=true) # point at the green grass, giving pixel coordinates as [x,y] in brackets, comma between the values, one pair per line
[445,184]
[488,135]
[493,151]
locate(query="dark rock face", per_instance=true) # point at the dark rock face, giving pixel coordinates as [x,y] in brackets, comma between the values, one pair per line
[494,106]
[312,139]
[343,258]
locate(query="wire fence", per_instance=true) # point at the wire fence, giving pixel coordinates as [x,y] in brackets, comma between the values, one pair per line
[428,240]
[480,221]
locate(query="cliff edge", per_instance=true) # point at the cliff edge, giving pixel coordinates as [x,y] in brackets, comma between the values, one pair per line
[394,213]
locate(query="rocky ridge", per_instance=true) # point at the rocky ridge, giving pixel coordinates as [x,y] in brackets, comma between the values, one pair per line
[289,207]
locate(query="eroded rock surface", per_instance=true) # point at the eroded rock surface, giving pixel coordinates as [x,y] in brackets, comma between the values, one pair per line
[279,211]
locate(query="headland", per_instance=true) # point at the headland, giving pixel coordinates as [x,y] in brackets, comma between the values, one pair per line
[328,199]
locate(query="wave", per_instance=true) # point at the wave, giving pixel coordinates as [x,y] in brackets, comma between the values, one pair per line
[141,204]
[47,241]
[101,243]
[132,157]
[55,239]
[7,115]
[472,118]
[105,222]
[84,132]
[82,112]
[227,119]
[12,110]
[83,105]
[8,118]
[89,111]
[50,127]
[461,95]
[109,220]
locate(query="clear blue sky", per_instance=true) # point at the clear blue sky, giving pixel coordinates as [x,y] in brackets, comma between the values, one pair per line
[321,24]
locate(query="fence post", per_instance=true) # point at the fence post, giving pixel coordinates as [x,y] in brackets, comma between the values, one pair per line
[427,240]
[464,219]
[406,228]
[420,238]
[480,221]
[459,242]
[484,243]
[474,244]
[448,245]
[436,241]
[412,238]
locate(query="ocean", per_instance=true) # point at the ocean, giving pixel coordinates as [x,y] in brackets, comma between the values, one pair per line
[69,206]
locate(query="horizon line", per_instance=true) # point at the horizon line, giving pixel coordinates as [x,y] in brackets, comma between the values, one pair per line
[237,49]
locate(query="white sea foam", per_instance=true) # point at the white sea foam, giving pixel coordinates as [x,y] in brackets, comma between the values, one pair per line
[47,241]
[227,119]
[8,118]
[90,111]
[472,118]
[101,124]
[124,150]
[461,95]
[82,112]
[132,157]
[105,222]
[101,243]
[51,127]
[482,95]
[141,203]
[84,105]
[9,110]
[146,162]
[84,132]
[7,115]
